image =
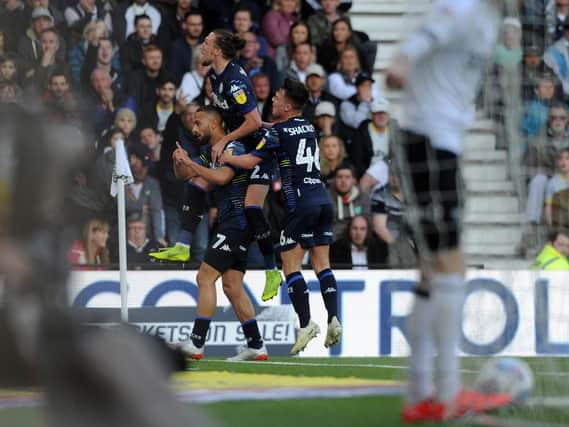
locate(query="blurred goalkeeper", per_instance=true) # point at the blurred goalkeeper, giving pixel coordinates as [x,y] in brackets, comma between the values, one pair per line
[440,68]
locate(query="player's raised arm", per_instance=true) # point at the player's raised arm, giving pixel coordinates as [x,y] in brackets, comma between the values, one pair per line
[180,159]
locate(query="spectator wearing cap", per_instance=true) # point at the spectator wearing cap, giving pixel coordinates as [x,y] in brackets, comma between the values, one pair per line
[302,57]
[536,111]
[557,58]
[251,61]
[372,143]
[316,83]
[125,15]
[356,109]
[264,94]
[533,67]
[29,46]
[342,83]
[325,119]
[509,51]
[139,245]
[143,196]
[55,9]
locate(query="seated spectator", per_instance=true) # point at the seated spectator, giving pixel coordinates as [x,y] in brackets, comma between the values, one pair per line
[132,50]
[11,93]
[388,207]
[277,23]
[325,119]
[8,69]
[559,182]
[183,57]
[556,57]
[193,81]
[554,254]
[347,200]
[357,108]
[332,155]
[143,195]
[78,51]
[509,51]
[103,55]
[358,247]
[125,16]
[320,22]
[173,17]
[243,23]
[556,13]
[157,114]
[105,102]
[29,46]
[264,95]
[14,17]
[315,83]
[299,33]
[151,139]
[301,60]
[341,36]
[143,83]
[138,244]
[38,78]
[92,248]
[60,103]
[373,141]
[82,14]
[533,68]
[251,61]
[342,83]
[536,111]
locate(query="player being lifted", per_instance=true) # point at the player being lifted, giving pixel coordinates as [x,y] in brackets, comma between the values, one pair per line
[234,96]
[227,252]
[440,67]
[310,215]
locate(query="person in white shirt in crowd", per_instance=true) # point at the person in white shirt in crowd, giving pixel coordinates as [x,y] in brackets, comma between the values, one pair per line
[193,81]
[342,83]
[301,60]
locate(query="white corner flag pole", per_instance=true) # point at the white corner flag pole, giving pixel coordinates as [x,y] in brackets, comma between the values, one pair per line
[122,176]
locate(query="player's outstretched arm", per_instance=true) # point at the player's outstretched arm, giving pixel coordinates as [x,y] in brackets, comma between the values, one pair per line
[220,176]
[251,124]
[245,161]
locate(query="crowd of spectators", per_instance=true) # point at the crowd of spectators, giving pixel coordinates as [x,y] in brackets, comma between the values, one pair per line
[537,45]
[129,69]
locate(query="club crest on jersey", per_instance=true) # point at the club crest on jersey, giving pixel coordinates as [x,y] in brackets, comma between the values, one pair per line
[238,94]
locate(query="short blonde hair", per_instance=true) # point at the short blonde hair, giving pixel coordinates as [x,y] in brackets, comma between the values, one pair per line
[126,113]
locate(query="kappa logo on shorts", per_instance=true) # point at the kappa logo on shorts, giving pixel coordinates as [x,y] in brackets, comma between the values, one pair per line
[225,248]
[242,248]
[289,241]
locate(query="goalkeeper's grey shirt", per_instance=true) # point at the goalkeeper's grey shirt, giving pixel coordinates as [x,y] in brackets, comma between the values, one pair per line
[449,54]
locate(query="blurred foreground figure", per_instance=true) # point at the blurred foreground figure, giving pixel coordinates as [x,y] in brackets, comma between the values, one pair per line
[92,377]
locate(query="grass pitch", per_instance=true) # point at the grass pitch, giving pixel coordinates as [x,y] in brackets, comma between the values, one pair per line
[299,392]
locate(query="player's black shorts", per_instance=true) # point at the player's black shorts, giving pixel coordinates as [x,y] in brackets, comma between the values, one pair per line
[262,173]
[308,226]
[436,188]
[228,248]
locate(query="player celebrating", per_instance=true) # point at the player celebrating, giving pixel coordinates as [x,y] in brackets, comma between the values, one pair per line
[440,67]
[234,96]
[227,253]
[309,223]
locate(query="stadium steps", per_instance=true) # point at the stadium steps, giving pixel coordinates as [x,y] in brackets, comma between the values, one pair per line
[492,218]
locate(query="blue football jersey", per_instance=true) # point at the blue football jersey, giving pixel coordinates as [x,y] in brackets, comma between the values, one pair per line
[295,143]
[230,198]
[234,96]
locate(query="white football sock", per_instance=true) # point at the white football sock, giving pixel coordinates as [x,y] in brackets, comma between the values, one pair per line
[420,382]
[447,297]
